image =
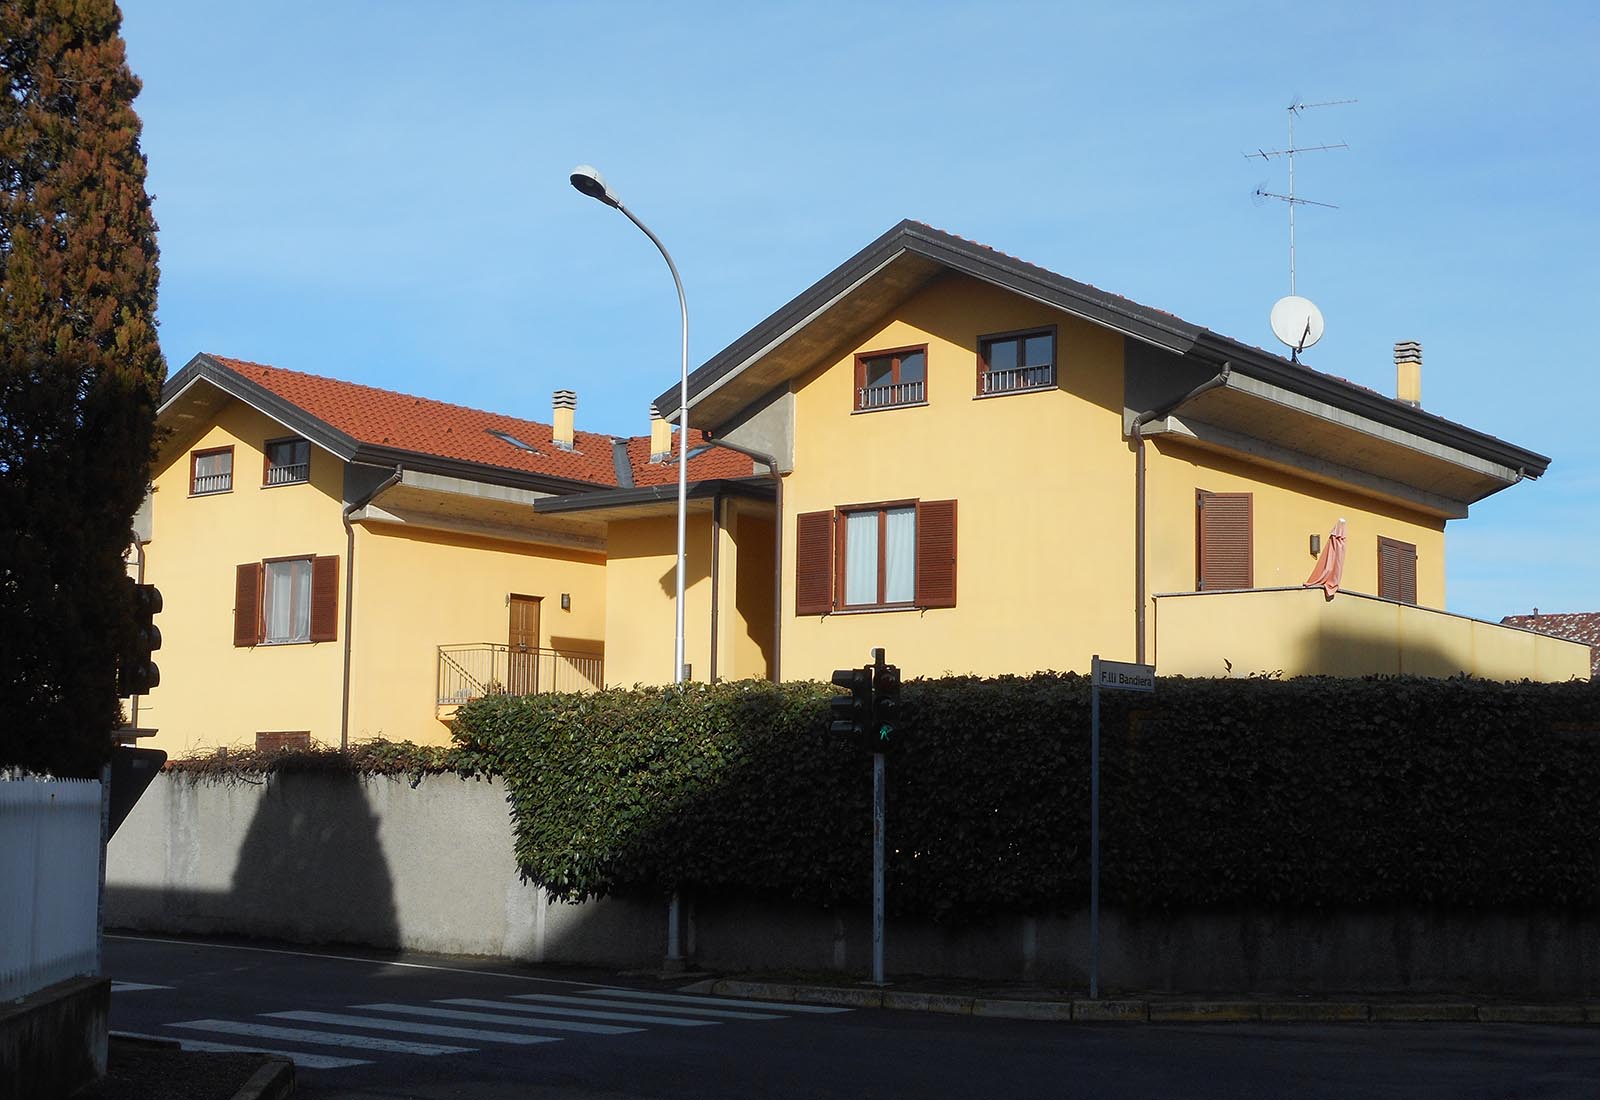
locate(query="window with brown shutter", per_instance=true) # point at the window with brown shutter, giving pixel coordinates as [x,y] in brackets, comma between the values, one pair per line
[247,604]
[866,557]
[813,563]
[1397,570]
[324,599]
[1223,542]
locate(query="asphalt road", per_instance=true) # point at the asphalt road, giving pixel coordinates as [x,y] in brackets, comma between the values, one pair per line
[362,1026]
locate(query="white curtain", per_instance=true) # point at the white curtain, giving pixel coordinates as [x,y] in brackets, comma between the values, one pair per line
[861,558]
[288,601]
[900,555]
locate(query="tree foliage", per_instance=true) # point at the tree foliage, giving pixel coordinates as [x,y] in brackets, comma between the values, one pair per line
[1312,792]
[80,373]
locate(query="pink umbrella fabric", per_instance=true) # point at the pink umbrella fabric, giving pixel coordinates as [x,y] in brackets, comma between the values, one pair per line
[1330,566]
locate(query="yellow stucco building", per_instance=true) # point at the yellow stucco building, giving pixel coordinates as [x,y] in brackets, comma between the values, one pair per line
[972,462]
[985,467]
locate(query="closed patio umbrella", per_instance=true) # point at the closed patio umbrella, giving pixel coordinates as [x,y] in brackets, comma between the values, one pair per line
[1330,565]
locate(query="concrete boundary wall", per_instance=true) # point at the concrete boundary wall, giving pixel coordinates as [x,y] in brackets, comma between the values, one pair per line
[338,859]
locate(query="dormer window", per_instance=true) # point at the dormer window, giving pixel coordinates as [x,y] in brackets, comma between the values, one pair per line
[288,462]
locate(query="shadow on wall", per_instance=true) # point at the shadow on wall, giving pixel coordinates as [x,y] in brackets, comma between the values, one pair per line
[309,868]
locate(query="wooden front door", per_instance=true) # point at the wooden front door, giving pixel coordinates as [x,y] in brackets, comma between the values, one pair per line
[522,665]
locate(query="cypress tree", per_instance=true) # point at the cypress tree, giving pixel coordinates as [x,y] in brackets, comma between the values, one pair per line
[80,374]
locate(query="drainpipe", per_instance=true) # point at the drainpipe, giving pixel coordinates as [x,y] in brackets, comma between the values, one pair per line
[349,593]
[716,576]
[1221,379]
[771,463]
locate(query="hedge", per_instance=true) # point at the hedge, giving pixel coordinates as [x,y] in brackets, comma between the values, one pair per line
[1312,792]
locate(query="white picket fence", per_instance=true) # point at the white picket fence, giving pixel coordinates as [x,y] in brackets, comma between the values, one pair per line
[49,881]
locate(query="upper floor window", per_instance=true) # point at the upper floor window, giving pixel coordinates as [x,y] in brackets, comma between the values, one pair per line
[288,461]
[1015,361]
[888,378]
[285,600]
[880,556]
[211,471]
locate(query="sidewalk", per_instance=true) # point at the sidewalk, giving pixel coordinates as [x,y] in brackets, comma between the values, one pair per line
[1068,1006]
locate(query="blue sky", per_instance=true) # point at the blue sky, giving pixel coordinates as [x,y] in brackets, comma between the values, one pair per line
[378,192]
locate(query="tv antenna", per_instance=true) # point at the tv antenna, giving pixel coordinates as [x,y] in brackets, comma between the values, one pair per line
[1295,320]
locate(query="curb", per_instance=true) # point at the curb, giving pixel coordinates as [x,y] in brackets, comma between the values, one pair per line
[273,1081]
[1159,1012]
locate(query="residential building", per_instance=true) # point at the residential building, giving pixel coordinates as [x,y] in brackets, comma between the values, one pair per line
[339,562]
[985,467]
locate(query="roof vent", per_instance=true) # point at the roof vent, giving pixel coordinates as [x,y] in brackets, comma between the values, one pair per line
[507,437]
[564,405]
[1408,373]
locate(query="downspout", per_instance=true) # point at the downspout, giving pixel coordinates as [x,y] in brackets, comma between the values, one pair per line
[716,577]
[1137,432]
[349,594]
[771,463]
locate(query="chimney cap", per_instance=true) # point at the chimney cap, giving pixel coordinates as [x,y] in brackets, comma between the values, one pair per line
[565,399]
[1407,351]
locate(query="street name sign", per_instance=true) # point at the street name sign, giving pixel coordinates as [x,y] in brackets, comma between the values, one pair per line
[1122,676]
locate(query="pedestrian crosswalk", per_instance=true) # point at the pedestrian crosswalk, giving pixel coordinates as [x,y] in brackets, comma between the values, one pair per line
[463,1025]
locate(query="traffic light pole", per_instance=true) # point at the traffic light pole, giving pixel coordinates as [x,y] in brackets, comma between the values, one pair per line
[877,867]
[1094,830]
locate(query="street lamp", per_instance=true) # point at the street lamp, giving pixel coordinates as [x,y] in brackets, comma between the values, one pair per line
[587,179]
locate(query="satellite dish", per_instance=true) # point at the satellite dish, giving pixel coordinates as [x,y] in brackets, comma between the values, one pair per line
[1296,322]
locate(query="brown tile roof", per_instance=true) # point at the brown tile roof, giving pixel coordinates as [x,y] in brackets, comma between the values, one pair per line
[425,426]
[1578,626]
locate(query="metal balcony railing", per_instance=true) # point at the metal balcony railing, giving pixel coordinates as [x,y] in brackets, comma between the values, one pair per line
[895,393]
[473,670]
[289,473]
[213,483]
[1017,378]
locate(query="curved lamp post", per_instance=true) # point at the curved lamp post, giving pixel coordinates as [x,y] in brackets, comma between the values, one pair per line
[588,180]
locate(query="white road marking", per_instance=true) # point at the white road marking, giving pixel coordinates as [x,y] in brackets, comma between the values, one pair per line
[684,1010]
[624,1017]
[320,1038]
[411,1027]
[134,987]
[724,1002]
[494,1018]
[306,1061]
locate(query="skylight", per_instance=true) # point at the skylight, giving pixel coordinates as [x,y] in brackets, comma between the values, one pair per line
[507,437]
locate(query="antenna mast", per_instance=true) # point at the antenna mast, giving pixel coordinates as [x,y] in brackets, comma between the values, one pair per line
[1291,200]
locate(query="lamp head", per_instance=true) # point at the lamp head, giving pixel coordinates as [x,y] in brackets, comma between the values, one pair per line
[587,178]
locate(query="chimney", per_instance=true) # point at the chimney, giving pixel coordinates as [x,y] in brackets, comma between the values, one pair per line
[1408,372]
[660,436]
[565,403]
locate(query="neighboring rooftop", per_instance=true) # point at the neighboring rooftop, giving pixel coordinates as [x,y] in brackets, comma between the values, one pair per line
[1574,626]
[364,423]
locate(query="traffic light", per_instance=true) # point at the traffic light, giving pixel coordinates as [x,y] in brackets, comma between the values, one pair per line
[852,714]
[885,706]
[136,672]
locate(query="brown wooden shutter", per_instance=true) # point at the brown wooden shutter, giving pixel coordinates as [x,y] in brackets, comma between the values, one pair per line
[1397,570]
[1224,541]
[936,553]
[324,599]
[247,604]
[813,563]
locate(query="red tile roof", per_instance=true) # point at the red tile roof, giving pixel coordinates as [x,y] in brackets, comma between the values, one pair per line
[1579,626]
[425,426]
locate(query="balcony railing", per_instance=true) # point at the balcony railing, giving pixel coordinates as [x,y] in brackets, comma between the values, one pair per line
[895,393]
[289,473]
[473,670]
[213,483]
[1016,378]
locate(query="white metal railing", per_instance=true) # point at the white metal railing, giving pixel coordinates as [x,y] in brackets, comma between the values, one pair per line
[1017,378]
[288,473]
[895,393]
[468,672]
[49,881]
[213,483]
